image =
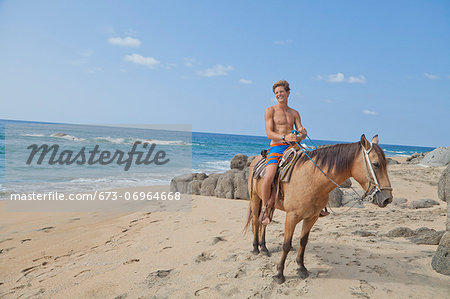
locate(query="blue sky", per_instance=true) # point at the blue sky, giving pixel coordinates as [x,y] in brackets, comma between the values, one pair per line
[354,66]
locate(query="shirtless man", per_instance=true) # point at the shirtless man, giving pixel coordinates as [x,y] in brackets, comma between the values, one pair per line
[280,120]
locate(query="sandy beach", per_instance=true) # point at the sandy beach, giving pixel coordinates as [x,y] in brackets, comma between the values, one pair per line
[203,252]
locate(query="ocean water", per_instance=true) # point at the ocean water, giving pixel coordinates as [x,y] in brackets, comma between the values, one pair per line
[188,152]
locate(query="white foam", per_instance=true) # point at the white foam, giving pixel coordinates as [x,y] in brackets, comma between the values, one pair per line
[34,135]
[66,136]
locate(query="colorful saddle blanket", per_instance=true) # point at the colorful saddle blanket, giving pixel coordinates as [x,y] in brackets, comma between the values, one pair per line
[287,162]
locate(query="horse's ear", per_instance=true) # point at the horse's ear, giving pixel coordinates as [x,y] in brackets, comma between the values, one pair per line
[364,142]
[375,139]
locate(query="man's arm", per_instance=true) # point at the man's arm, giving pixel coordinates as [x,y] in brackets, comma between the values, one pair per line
[268,119]
[299,127]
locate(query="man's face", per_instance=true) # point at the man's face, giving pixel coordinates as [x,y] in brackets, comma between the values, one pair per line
[281,94]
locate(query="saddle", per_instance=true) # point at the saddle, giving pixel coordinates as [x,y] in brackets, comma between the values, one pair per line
[284,171]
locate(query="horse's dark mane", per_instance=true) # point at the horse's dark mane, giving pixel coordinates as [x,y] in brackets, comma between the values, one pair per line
[340,157]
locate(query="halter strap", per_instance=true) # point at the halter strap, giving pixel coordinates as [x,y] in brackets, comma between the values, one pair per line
[371,176]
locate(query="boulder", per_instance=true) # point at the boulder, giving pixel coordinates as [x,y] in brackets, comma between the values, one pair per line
[422,203]
[441,259]
[183,183]
[400,232]
[232,184]
[437,157]
[444,185]
[209,184]
[401,202]
[195,187]
[335,198]
[346,184]
[415,158]
[427,236]
[391,161]
[238,162]
[180,183]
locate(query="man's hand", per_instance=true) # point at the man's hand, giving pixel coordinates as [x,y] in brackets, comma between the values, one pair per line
[290,137]
[302,134]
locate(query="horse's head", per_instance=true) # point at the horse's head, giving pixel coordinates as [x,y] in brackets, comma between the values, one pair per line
[370,171]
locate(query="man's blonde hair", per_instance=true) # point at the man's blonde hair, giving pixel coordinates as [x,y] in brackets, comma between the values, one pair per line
[283,83]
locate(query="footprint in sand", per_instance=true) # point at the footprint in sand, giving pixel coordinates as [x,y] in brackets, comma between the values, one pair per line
[241,272]
[46,229]
[131,261]
[84,271]
[158,277]
[24,240]
[217,240]
[9,239]
[203,257]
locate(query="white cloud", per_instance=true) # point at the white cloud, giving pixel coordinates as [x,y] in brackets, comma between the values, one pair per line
[330,101]
[369,112]
[245,81]
[340,78]
[431,76]
[149,62]
[218,70]
[125,42]
[190,62]
[283,42]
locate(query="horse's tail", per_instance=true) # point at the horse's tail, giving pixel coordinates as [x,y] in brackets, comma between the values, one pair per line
[250,192]
[249,218]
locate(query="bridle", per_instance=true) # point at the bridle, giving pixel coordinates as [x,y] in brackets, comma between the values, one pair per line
[371,176]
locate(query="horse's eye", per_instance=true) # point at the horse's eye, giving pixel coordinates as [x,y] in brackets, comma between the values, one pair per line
[376,164]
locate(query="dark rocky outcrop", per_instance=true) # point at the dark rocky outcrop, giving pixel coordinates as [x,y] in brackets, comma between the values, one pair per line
[437,157]
[441,259]
[335,198]
[415,158]
[422,203]
[392,161]
[238,162]
[346,184]
[209,184]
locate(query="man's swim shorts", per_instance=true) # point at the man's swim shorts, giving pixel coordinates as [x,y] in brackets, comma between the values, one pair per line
[275,153]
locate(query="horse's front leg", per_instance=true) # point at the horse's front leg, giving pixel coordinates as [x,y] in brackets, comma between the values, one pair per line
[289,228]
[306,228]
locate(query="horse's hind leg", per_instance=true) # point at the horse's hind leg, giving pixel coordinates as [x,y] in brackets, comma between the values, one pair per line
[262,244]
[256,207]
[289,228]
[306,228]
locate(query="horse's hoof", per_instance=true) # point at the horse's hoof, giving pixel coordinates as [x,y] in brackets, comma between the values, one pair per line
[302,272]
[279,278]
[255,251]
[265,252]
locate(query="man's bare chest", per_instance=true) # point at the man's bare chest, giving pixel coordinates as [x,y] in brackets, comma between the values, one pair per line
[283,118]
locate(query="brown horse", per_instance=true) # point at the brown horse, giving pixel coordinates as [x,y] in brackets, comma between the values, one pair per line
[307,192]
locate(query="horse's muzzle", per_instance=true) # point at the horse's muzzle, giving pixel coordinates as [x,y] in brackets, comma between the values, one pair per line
[382,198]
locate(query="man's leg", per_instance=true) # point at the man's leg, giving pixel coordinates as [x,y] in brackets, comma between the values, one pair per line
[271,170]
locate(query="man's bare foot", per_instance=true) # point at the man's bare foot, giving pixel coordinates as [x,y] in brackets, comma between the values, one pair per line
[266,220]
[324,213]
[266,215]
